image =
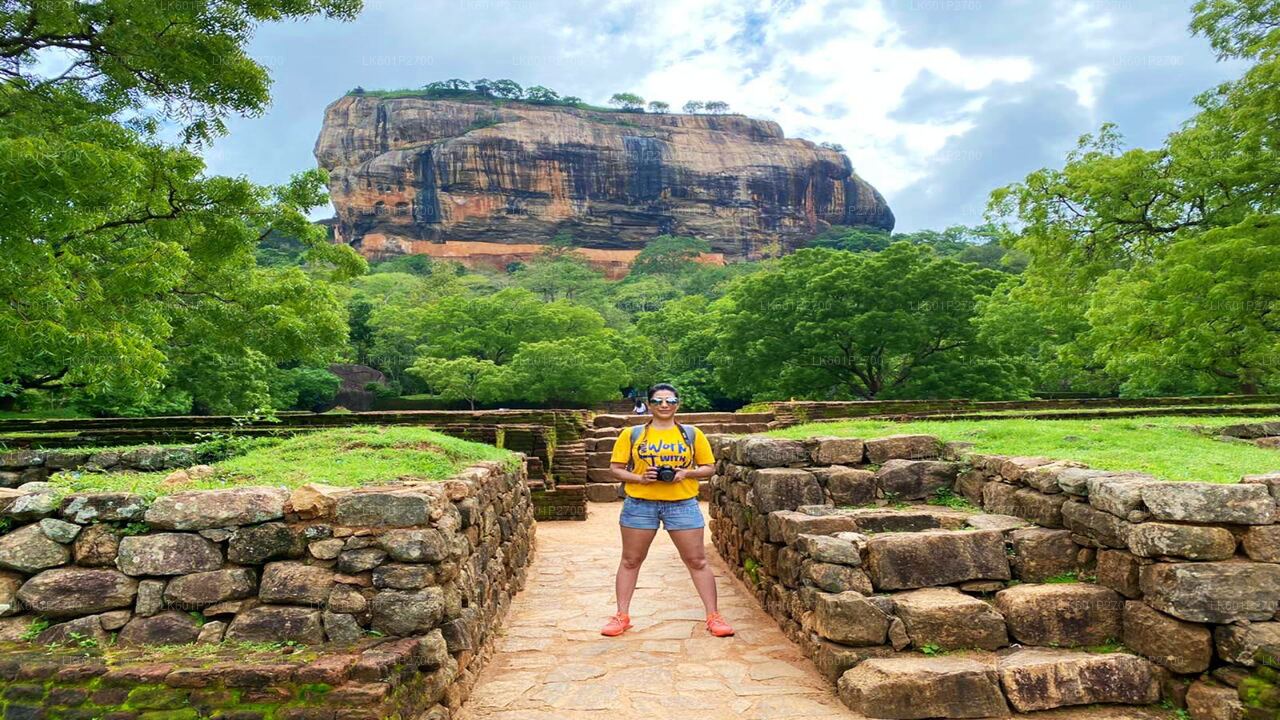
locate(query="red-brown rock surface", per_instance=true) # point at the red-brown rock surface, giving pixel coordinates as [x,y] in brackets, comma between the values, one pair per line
[487,184]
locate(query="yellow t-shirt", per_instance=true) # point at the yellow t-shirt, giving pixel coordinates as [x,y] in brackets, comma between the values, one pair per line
[659,448]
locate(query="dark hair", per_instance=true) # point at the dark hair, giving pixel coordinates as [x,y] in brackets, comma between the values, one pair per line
[662,386]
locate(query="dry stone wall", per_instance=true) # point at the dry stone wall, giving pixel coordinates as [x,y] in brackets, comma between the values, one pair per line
[19,467]
[955,609]
[395,591]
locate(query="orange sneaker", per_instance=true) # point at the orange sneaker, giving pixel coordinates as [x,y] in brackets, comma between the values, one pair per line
[716,625]
[618,624]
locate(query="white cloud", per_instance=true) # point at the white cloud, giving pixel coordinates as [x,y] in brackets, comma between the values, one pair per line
[833,68]
[1085,83]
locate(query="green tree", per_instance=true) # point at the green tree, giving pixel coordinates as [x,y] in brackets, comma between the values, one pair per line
[668,255]
[716,107]
[125,268]
[561,277]
[1112,216]
[494,327]
[629,102]
[304,388]
[1204,317]
[693,107]
[659,107]
[852,239]
[540,94]
[584,370]
[464,378]
[829,324]
[509,89]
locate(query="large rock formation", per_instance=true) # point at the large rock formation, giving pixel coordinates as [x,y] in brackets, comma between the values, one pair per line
[488,183]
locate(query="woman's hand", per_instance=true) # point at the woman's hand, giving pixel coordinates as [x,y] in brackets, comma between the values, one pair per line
[650,476]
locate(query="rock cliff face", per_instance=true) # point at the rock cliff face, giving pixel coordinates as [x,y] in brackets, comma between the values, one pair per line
[484,183]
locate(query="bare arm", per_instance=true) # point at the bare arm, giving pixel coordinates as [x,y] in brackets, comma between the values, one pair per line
[621,472]
[697,473]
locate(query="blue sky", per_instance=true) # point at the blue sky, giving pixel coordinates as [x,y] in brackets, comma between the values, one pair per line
[936,102]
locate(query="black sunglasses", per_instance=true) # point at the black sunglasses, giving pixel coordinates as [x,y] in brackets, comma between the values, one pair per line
[664,401]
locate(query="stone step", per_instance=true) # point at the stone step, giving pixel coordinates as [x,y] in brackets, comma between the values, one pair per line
[933,558]
[923,687]
[979,685]
[1044,679]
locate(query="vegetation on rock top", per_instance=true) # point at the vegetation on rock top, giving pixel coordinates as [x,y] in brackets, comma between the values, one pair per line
[344,457]
[1166,447]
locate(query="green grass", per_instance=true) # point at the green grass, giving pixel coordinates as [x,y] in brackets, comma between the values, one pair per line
[1162,446]
[345,457]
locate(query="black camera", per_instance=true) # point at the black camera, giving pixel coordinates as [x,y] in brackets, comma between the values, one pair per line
[666,474]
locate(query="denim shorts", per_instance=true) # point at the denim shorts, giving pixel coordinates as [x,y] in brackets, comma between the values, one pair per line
[673,514]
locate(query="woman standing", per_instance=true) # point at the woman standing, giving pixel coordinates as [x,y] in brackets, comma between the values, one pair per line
[643,458]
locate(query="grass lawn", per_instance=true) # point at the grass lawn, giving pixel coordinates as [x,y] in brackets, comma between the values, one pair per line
[1161,446]
[343,456]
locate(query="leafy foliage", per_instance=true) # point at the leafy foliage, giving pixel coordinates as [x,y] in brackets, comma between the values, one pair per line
[843,325]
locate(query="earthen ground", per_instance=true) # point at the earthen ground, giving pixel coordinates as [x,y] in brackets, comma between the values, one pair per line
[551,663]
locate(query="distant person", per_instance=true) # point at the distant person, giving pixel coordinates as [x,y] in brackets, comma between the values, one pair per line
[640,407]
[660,463]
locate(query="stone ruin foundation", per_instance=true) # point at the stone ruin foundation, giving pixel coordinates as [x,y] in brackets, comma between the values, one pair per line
[1055,585]
[373,602]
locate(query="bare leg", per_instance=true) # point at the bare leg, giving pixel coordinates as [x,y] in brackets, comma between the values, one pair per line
[693,552]
[635,547]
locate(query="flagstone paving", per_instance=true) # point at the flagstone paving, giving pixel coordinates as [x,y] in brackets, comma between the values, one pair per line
[551,663]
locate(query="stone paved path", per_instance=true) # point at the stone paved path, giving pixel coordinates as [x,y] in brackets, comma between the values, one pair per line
[552,663]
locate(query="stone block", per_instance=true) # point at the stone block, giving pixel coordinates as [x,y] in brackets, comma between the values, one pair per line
[259,544]
[847,486]
[1042,553]
[788,527]
[383,509]
[1207,700]
[770,452]
[407,612]
[837,578]
[849,618]
[277,623]
[777,488]
[828,549]
[1042,679]
[1238,504]
[1213,592]
[1062,614]
[69,592]
[1098,526]
[836,451]
[902,447]
[1013,469]
[1238,644]
[1180,646]
[169,627]
[29,550]
[295,582]
[1262,543]
[203,509]
[199,590]
[1194,542]
[1120,571]
[949,619]
[914,479]
[904,561]
[1119,494]
[925,687]
[1045,477]
[167,554]
[86,508]
[833,659]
